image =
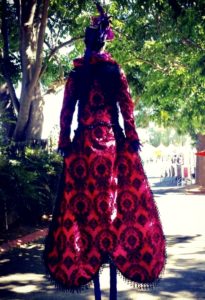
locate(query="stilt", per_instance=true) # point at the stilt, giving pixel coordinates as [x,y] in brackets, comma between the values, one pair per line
[113,282]
[97,287]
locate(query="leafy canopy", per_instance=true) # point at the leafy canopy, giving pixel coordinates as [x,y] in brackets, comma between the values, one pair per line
[163,50]
[160,45]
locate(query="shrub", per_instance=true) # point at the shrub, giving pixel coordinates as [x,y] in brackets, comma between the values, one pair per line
[28,185]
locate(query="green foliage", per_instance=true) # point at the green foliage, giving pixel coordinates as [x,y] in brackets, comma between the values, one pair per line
[165,136]
[159,45]
[66,20]
[28,185]
[154,137]
[165,44]
[13,63]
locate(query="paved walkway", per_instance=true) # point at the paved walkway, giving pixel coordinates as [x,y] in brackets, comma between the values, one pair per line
[187,190]
[16,243]
[182,214]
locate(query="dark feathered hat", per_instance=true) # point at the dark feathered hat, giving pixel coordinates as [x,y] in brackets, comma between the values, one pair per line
[102,23]
[99,30]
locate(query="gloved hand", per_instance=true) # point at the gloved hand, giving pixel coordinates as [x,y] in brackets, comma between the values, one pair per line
[64,152]
[134,146]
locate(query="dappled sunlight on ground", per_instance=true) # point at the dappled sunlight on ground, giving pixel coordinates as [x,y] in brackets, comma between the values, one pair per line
[22,275]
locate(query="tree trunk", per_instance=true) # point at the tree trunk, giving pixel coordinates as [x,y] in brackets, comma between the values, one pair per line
[23,116]
[32,20]
[35,124]
[30,118]
[200,161]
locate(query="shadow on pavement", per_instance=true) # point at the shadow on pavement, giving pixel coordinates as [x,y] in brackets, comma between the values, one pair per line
[22,275]
[185,271]
[168,185]
[165,185]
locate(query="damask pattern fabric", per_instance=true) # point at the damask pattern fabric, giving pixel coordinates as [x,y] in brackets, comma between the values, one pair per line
[105,209]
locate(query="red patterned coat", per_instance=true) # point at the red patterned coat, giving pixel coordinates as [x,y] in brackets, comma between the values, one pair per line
[105,210]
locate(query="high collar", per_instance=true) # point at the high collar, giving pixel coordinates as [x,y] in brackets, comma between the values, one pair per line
[95,58]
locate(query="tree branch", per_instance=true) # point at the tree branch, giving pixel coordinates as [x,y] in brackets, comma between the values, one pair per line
[148,62]
[5,60]
[56,85]
[65,44]
[26,13]
[191,43]
[17,6]
[40,41]
[10,85]
[156,66]
[41,33]
[151,63]
[56,49]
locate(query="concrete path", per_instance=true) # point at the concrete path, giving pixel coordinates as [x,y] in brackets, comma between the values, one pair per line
[182,215]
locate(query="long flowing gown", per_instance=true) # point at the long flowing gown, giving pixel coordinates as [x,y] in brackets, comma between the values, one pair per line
[105,209]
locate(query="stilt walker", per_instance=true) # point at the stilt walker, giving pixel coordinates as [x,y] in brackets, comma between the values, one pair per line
[105,211]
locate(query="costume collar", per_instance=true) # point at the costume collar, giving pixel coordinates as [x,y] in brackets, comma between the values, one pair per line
[95,58]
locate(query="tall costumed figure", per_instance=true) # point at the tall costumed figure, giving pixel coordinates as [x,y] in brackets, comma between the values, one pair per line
[105,211]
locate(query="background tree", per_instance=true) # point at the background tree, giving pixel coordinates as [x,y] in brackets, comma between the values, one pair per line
[31,18]
[160,44]
[165,45]
[32,32]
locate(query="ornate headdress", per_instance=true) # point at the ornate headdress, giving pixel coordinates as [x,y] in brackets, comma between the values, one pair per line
[99,31]
[102,23]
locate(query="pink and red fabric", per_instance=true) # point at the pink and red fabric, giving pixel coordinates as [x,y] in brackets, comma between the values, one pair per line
[106,209]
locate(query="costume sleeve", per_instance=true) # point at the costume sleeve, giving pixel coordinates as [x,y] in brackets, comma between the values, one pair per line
[67,111]
[127,110]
